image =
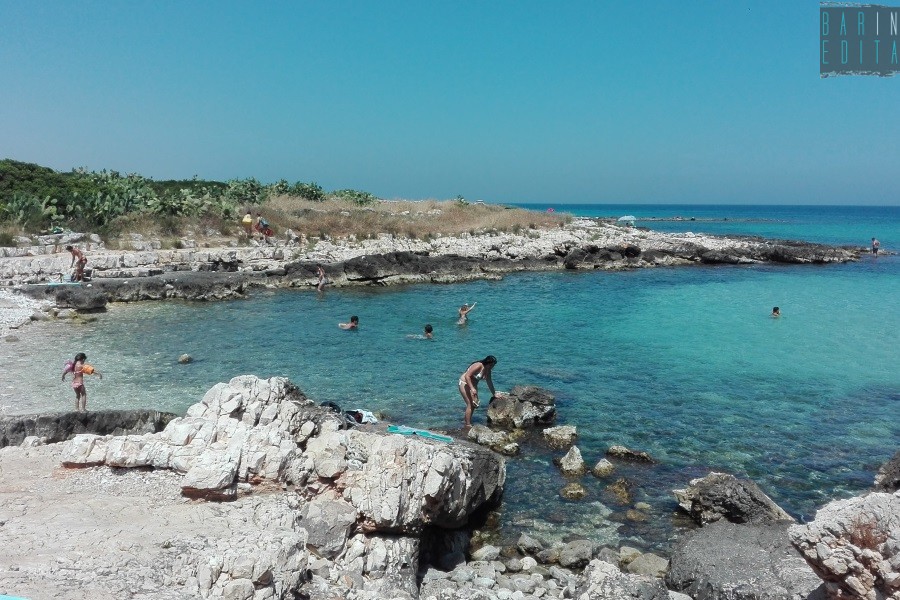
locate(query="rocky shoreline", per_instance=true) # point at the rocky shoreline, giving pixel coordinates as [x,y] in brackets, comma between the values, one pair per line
[145,271]
[319,509]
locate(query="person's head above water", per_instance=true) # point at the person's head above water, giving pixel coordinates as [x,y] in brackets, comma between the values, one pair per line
[429,328]
[776,310]
[354,319]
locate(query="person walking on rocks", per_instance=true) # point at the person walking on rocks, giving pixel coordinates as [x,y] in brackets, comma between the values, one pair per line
[80,368]
[468,384]
[78,261]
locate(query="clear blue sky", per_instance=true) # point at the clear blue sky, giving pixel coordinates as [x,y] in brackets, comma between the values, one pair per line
[549,102]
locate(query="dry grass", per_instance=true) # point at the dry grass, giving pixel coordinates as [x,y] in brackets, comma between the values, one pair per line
[424,219]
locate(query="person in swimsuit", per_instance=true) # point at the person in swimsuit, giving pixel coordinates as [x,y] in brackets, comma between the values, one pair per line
[353,324]
[78,261]
[79,369]
[776,312]
[429,332]
[321,273]
[464,311]
[875,246]
[468,384]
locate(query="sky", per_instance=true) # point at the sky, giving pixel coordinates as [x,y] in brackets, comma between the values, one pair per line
[506,101]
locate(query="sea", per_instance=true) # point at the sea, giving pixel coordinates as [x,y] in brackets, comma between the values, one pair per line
[683,362]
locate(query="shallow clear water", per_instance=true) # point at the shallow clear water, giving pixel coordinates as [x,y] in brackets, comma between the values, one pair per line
[684,363]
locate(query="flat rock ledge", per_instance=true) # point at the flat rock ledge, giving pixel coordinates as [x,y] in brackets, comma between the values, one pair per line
[210,273]
[50,428]
[730,561]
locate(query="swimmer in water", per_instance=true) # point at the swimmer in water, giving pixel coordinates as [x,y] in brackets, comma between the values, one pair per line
[353,324]
[464,311]
[776,312]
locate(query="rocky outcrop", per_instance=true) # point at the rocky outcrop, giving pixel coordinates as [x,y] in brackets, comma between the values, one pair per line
[523,406]
[572,464]
[722,496]
[888,477]
[727,561]
[365,497]
[59,427]
[854,545]
[503,442]
[560,437]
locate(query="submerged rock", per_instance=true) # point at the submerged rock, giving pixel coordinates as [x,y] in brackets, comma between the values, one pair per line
[573,491]
[623,453]
[723,496]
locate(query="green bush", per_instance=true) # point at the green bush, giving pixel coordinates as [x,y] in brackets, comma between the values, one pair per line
[360,198]
[308,191]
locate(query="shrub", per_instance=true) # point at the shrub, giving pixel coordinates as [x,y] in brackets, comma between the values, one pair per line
[360,198]
[307,191]
[7,240]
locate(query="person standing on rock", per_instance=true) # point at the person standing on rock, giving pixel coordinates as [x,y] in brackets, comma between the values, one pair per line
[321,273]
[247,222]
[80,368]
[875,246]
[464,311]
[468,384]
[78,261]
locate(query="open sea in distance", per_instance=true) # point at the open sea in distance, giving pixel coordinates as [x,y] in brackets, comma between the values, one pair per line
[683,362]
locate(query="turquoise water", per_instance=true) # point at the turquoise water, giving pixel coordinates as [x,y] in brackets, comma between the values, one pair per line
[684,363]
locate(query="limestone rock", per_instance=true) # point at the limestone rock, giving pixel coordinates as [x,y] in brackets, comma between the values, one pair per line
[572,465]
[528,545]
[754,562]
[888,477]
[623,453]
[560,437]
[603,468]
[59,427]
[185,359]
[522,406]
[328,524]
[648,564]
[576,554]
[854,545]
[498,441]
[723,496]
[603,581]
